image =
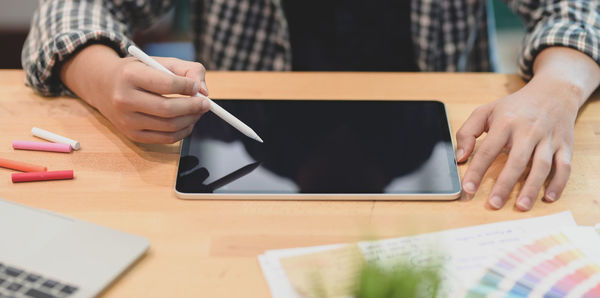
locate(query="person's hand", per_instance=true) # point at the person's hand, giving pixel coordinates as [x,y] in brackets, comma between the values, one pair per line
[131,94]
[134,101]
[535,124]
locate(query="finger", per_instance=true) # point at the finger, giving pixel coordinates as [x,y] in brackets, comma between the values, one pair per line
[189,69]
[562,170]
[518,158]
[483,158]
[156,105]
[160,137]
[473,127]
[540,169]
[140,121]
[146,78]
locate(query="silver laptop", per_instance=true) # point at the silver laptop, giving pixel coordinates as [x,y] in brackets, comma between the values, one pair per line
[43,254]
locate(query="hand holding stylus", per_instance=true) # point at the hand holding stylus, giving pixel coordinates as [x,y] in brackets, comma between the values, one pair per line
[215,108]
[130,94]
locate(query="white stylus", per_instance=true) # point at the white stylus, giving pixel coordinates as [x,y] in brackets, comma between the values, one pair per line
[215,108]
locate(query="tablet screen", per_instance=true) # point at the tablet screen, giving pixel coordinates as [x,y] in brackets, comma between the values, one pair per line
[322,146]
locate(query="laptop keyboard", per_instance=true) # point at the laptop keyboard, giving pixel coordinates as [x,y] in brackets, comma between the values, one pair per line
[16,282]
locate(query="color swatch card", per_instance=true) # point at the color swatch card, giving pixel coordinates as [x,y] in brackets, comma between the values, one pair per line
[563,264]
[466,253]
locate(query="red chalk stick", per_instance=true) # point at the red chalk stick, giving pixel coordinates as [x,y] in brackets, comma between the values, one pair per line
[40,176]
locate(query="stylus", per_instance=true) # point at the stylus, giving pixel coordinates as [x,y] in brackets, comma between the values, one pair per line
[215,108]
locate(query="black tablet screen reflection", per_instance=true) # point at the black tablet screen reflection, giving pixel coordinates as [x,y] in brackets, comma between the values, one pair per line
[321,147]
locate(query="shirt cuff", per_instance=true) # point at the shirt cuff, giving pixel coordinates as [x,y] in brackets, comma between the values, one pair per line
[53,54]
[576,35]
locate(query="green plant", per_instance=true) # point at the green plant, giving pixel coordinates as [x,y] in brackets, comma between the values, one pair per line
[401,281]
[345,272]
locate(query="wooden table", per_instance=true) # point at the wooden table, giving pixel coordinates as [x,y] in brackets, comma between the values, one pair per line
[209,248]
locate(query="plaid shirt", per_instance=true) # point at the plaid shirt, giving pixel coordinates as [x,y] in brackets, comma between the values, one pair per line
[447,35]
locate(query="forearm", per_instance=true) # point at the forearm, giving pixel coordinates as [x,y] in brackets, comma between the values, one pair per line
[87,71]
[567,71]
[61,28]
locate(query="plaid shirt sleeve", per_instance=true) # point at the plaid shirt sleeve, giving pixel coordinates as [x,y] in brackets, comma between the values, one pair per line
[569,23]
[60,28]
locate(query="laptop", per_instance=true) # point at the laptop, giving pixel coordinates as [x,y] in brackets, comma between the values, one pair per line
[45,255]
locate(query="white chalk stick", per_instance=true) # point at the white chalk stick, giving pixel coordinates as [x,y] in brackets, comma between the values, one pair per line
[52,137]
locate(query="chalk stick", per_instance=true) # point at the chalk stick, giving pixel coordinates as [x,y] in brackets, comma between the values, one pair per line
[42,176]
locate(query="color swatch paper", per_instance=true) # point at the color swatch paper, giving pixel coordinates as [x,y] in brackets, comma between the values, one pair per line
[551,266]
[467,252]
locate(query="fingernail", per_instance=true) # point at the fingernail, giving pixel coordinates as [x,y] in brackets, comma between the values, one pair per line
[496,202]
[524,203]
[551,196]
[469,187]
[465,197]
[459,154]
[204,105]
[204,87]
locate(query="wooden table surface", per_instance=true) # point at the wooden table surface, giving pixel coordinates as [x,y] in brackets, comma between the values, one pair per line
[209,248]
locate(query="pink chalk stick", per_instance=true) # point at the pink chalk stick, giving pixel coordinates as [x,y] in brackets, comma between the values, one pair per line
[41,146]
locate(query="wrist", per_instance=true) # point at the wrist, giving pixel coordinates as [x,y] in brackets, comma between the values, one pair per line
[565,73]
[559,88]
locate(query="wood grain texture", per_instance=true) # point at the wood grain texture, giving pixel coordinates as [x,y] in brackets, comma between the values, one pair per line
[209,248]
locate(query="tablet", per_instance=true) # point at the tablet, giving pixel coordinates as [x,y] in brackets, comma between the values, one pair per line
[322,150]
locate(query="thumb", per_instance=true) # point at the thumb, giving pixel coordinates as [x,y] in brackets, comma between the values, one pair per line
[193,70]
